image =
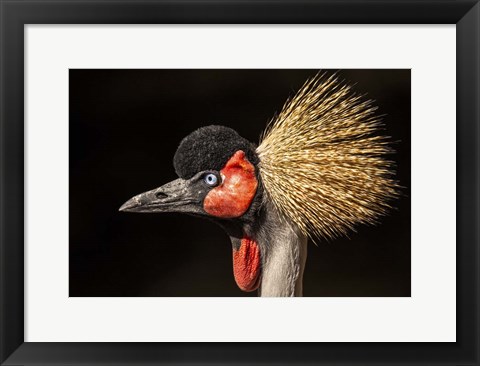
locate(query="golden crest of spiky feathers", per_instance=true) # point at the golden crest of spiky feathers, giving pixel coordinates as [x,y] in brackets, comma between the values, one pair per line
[322,161]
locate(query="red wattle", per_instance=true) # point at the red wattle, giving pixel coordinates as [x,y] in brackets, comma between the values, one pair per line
[246,265]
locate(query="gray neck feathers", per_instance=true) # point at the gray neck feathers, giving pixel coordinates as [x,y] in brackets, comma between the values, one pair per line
[284,251]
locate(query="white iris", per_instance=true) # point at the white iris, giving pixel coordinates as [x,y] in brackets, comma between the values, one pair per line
[211,179]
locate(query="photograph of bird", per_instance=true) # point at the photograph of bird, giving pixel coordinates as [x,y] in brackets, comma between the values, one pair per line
[320,169]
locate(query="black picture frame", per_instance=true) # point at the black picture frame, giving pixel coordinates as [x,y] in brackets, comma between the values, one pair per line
[15,14]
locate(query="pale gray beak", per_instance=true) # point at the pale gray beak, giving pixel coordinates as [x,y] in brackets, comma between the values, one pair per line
[176,196]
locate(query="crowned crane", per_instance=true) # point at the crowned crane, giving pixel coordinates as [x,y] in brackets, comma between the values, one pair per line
[319,170]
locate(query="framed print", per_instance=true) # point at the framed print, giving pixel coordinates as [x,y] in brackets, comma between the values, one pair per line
[239,182]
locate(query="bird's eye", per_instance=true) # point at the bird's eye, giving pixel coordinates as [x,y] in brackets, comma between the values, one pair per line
[211,179]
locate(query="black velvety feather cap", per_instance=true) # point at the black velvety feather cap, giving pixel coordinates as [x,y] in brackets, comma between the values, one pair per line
[209,148]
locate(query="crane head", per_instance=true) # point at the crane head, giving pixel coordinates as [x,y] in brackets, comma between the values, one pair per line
[218,178]
[322,163]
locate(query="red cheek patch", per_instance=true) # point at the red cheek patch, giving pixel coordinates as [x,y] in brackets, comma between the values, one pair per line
[233,197]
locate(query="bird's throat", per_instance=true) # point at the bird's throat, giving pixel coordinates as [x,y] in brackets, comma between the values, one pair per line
[246,265]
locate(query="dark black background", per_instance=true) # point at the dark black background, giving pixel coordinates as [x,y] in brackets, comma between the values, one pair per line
[125,126]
